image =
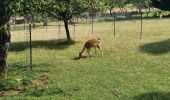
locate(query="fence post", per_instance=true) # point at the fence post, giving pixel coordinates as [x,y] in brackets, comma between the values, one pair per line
[59,29]
[92,23]
[114,24]
[30,44]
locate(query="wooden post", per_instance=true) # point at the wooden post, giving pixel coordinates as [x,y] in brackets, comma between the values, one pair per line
[114,24]
[92,24]
[30,44]
[141,28]
[46,27]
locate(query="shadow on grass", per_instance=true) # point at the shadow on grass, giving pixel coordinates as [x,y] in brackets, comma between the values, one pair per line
[48,44]
[153,96]
[78,58]
[156,48]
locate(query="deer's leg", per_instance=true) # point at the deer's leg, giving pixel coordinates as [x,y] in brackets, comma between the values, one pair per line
[95,51]
[100,50]
[80,54]
[88,52]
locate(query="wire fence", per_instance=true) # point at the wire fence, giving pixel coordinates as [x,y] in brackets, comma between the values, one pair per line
[56,31]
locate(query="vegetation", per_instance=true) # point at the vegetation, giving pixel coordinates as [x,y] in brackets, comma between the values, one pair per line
[130,68]
[63,10]
[161,4]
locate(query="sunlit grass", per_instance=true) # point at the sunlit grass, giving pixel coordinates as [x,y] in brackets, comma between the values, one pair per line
[130,68]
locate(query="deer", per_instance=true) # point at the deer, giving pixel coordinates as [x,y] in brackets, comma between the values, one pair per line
[90,44]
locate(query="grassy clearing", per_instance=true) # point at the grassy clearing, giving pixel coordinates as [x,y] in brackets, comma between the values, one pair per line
[130,69]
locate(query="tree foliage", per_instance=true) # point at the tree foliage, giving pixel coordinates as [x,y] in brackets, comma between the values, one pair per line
[140,3]
[63,10]
[161,4]
[23,7]
[95,6]
[4,11]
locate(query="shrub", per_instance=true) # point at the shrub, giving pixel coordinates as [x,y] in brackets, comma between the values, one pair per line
[8,84]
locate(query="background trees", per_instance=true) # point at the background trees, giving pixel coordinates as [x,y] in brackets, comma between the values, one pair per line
[65,10]
[25,8]
[139,4]
[111,4]
[161,4]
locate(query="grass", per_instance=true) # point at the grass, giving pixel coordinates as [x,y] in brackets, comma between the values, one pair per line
[130,68]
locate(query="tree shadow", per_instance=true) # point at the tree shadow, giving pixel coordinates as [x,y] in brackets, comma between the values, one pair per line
[153,96]
[156,48]
[83,57]
[47,44]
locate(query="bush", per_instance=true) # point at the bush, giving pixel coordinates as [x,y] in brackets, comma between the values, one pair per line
[152,14]
[165,13]
[8,84]
[108,19]
[12,83]
[158,13]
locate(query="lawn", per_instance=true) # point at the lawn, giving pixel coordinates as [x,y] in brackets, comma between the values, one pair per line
[130,68]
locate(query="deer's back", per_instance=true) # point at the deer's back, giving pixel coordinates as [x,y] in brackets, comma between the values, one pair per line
[92,42]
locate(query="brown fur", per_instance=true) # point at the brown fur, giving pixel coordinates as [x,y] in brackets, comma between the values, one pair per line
[89,44]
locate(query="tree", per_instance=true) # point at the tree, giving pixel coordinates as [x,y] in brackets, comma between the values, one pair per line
[94,6]
[25,8]
[141,4]
[111,4]
[161,4]
[4,36]
[63,10]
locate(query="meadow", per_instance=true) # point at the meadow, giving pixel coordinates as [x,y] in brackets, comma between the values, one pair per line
[131,68]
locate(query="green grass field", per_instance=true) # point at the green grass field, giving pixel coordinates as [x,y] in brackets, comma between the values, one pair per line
[131,69]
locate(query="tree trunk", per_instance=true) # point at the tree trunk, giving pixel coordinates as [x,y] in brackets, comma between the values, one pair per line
[33,21]
[77,19]
[4,46]
[110,10]
[45,21]
[149,9]
[67,30]
[4,36]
